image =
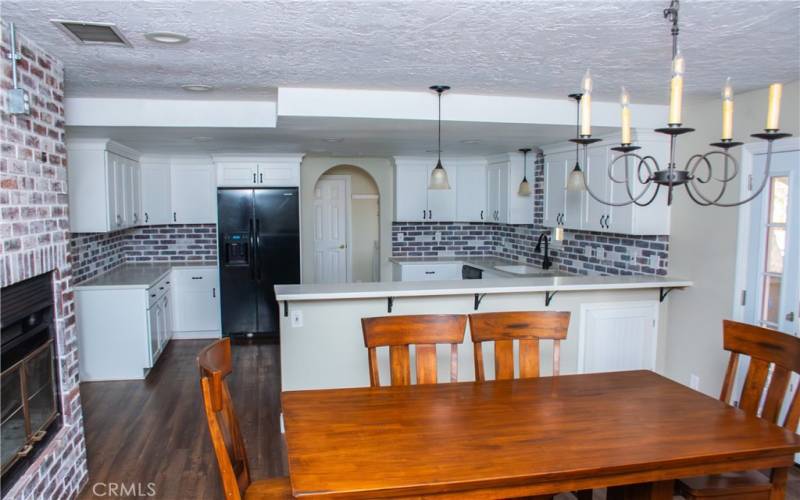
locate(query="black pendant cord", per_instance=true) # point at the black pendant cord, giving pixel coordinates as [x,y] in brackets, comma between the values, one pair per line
[439,132]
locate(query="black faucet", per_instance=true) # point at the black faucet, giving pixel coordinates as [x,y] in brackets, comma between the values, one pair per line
[546,262]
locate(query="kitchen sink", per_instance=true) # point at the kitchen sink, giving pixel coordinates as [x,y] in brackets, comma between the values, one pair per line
[520,269]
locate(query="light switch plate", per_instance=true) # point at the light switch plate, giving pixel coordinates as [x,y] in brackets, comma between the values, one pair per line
[297,318]
[694,382]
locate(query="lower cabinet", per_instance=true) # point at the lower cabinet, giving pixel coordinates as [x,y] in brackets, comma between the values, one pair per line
[618,336]
[197,304]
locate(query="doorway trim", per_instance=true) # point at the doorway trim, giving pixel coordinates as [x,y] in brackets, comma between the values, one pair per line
[348,218]
[749,152]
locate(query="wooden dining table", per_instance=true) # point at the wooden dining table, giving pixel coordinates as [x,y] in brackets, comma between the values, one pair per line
[502,439]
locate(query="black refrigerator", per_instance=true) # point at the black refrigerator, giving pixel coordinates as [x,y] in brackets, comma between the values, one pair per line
[259,247]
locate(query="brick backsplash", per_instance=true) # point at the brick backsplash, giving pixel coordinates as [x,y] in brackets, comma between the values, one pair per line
[96,253]
[33,240]
[581,252]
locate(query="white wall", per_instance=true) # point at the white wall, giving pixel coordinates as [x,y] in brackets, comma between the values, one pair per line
[703,243]
[382,173]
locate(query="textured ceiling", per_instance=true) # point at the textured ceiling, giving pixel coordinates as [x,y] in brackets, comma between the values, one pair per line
[529,48]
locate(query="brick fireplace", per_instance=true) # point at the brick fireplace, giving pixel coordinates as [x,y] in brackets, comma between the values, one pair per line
[34,234]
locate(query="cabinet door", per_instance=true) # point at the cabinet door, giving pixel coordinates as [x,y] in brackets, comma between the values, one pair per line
[163,335]
[196,300]
[618,336]
[153,333]
[411,192]
[471,191]
[130,190]
[136,190]
[279,174]
[167,317]
[494,185]
[556,167]
[442,202]
[519,208]
[155,189]
[236,174]
[193,198]
[596,214]
[117,170]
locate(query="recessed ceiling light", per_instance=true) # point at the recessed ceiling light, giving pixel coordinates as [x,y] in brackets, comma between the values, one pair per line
[202,138]
[166,37]
[333,139]
[192,87]
[470,141]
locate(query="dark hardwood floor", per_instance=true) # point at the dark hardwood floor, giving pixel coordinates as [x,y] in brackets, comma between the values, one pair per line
[154,431]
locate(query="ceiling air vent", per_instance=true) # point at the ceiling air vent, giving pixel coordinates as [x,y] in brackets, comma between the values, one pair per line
[92,33]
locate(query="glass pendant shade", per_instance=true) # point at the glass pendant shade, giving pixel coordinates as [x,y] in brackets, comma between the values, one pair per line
[524,187]
[575,181]
[439,177]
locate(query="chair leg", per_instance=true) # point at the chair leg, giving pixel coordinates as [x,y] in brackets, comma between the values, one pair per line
[778,478]
[661,490]
[584,494]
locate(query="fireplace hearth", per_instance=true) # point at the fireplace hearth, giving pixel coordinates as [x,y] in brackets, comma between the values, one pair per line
[30,411]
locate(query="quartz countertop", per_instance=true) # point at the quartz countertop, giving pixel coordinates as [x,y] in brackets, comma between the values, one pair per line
[467,287]
[135,275]
[482,263]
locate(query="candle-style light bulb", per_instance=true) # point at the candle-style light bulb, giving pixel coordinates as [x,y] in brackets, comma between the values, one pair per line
[774,107]
[624,101]
[727,110]
[676,89]
[586,104]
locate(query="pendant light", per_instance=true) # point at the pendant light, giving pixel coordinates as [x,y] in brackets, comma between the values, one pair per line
[439,174]
[575,181]
[524,186]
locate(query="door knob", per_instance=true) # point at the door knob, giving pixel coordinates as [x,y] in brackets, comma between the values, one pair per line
[342,247]
[790,316]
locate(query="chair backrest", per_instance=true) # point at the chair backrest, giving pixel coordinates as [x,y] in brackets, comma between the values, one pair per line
[766,348]
[424,332]
[215,364]
[528,327]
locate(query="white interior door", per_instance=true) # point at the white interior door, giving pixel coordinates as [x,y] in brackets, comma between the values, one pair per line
[331,226]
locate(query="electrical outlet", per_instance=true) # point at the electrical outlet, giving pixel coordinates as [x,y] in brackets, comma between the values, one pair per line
[437,236]
[694,382]
[297,318]
[401,236]
[653,261]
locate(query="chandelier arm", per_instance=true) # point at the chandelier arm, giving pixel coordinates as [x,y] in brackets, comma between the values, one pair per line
[724,180]
[694,198]
[652,198]
[589,190]
[760,187]
[635,199]
[697,159]
[728,158]
[645,182]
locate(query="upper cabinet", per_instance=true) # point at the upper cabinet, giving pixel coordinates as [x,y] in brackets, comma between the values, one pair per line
[258,171]
[582,210]
[413,200]
[104,193]
[504,203]
[470,186]
[194,197]
[155,188]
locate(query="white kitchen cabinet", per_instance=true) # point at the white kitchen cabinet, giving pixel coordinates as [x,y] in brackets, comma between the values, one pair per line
[562,207]
[102,194]
[413,200]
[426,271]
[155,189]
[618,336]
[504,174]
[193,188]
[471,191]
[258,171]
[196,312]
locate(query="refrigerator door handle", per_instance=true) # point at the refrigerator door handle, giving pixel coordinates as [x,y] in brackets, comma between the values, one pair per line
[252,254]
[257,251]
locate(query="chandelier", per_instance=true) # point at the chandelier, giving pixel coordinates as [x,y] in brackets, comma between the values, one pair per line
[698,171]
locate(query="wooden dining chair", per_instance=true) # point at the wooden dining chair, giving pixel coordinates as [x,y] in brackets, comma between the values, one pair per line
[423,332]
[766,348]
[528,327]
[216,364]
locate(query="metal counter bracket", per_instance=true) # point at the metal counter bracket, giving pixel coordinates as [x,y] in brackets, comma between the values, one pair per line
[548,296]
[478,298]
[285,308]
[662,293]
[389,303]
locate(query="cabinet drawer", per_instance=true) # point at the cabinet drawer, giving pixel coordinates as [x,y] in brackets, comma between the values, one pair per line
[194,278]
[155,292]
[430,272]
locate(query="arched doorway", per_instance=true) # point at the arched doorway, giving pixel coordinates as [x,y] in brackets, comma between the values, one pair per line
[346,226]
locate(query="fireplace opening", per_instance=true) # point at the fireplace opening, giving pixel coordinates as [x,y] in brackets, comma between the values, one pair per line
[30,412]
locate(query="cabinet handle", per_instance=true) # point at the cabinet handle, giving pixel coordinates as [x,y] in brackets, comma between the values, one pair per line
[135,217]
[146,217]
[481,214]
[119,220]
[608,223]
[430,214]
[261,178]
[214,292]
[197,277]
[161,288]
[430,272]
[254,177]
[424,215]
[152,295]
[174,217]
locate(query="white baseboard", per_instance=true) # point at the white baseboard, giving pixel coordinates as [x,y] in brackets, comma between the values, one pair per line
[213,334]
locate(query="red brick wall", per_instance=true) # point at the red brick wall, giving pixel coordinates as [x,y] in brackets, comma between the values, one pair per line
[34,240]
